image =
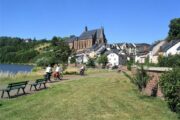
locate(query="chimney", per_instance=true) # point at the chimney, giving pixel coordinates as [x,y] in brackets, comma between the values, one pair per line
[86,28]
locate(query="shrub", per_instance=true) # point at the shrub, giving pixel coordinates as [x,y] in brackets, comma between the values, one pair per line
[70,73]
[44,61]
[73,60]
[64,67]
[102,60]
[169,61]
[115,67]
[91,63]
[140,79]
[36,68]
[130,63]
[170,84]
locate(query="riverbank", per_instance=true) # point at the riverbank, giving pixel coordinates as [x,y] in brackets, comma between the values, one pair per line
[33,64]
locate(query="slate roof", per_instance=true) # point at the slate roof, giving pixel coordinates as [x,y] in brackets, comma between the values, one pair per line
[89,34]
[112,51]
[112,46]
[169,45]
[178,48]
[142,44]
[101,49]
[96,33]
[70,40]
[95,47]
[153,45]
[129,45]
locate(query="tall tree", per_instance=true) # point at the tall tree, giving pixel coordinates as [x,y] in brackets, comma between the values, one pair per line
[174,29]
[62,52]
[102,60]
[55,41]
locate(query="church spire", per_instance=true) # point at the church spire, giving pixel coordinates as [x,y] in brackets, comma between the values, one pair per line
[86,29]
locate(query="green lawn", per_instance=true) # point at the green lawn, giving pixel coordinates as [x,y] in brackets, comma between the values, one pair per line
[103,96]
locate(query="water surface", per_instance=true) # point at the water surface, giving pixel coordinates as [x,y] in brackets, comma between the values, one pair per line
[14,68]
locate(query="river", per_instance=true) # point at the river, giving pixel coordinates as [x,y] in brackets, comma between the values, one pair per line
[14,68]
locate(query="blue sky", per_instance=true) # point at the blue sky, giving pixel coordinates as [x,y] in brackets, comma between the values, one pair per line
[123,20]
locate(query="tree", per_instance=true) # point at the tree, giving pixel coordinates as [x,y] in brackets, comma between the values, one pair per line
[61,52]
[102,60]
[54,41]
[174,29]
[73,59]
[91,62]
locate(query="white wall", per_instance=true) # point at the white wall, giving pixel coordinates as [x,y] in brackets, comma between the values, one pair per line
[156,48]
[153,55]
[113,59]
[172,50]
[140,59]
[85,59]
[153,59]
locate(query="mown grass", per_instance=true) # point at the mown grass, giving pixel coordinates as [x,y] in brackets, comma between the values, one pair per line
[107,97]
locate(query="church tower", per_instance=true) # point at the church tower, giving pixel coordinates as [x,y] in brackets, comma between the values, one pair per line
[102,38]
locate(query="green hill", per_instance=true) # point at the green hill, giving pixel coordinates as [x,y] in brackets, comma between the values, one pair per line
[100,96]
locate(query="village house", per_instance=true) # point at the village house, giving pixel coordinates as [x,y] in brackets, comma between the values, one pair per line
[126,48]
[114,58]
[171,48]
[93,43]
[96,50]
[141,58]
[154,51]
[142,50]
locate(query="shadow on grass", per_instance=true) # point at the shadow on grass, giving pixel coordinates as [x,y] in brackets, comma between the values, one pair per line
[145,97]
[15,96]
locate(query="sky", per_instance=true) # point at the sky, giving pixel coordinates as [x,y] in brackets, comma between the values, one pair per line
[135,21]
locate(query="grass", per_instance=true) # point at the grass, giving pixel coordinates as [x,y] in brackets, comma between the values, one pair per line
[106,96]
[7,77]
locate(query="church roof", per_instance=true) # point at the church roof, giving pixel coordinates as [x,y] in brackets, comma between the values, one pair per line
[90,34]
[71,39]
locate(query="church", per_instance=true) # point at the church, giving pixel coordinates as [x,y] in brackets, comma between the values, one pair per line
[87,39]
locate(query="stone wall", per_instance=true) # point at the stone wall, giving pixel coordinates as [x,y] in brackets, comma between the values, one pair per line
[82,44]
[152,87]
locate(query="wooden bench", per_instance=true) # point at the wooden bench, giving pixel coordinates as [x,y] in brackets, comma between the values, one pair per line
[13,86]
[38,82]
